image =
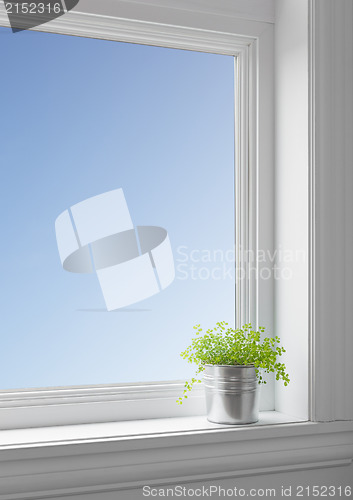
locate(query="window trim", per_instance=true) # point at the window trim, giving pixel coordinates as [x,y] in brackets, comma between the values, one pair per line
[330,229]
[64,468]
[32,408]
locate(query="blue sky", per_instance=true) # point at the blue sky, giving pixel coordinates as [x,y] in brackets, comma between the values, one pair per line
[81,117]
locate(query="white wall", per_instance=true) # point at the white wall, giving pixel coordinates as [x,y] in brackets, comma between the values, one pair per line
[291,195]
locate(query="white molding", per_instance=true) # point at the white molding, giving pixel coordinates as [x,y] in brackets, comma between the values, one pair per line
[30,408]
[246,184]
[331,126]
[311,209]
[231,12]
[90,25]
[46,470]
[254,10]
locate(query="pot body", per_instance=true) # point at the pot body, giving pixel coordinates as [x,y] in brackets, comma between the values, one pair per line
[232,394]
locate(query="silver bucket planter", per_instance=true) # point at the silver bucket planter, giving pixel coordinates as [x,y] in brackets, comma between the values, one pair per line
[232,394]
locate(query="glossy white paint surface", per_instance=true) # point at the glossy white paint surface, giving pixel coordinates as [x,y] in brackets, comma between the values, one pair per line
[332,187]
[292,202]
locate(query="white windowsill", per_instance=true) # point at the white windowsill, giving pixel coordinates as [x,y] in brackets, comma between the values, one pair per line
[19,438]
[51,462]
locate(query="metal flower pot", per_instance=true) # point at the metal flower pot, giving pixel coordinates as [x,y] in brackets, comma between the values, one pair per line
[232,394]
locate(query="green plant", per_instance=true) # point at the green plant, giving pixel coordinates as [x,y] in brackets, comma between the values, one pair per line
[223,345]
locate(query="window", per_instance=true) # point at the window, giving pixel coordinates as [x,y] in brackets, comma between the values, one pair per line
[128,138]
[308,445]
[238,58]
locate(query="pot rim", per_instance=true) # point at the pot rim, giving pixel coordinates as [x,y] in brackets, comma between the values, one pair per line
[231,366]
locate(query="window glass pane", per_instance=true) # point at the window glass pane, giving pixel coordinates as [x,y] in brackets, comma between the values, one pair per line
[115,158]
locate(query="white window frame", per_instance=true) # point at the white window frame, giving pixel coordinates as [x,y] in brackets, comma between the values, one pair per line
[75,405]
[49,466]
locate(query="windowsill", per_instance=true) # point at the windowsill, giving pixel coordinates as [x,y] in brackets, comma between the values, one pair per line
[48,462]
[20,438]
